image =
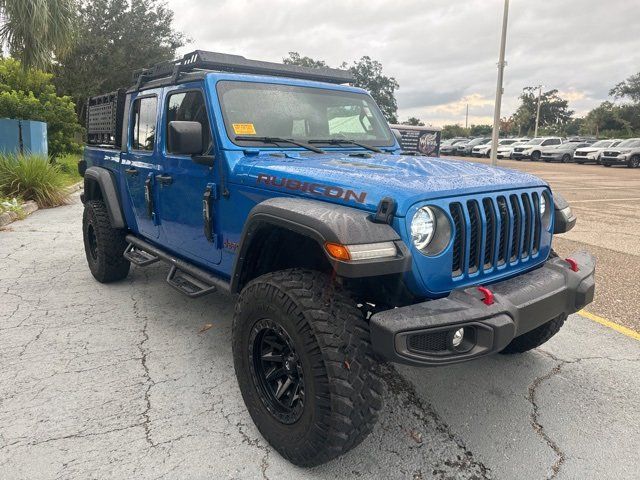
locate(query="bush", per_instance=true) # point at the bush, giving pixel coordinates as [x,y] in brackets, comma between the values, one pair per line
[30,95]
[32,177]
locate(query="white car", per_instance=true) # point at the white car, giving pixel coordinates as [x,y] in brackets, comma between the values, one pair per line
[485,149]
[505,151]
[593,152]
[533,148]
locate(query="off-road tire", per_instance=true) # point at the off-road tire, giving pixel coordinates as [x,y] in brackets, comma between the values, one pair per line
[535,337]
[342,389]
[103,244]
[634,162]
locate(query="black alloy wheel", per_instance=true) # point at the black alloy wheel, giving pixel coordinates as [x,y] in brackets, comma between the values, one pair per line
[276,371]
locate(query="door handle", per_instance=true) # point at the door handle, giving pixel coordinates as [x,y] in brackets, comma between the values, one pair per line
[131,171]
[164,179]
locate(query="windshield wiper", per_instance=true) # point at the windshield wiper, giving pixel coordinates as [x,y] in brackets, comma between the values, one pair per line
[339,141]
[276,140]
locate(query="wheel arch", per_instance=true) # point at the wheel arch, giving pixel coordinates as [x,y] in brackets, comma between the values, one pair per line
[292,232]
[100,184]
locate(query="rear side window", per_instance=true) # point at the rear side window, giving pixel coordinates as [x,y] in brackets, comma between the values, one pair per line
[190,107]
[143,125]
[552,141]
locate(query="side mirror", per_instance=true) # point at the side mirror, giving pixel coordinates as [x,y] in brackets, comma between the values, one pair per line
[185,138]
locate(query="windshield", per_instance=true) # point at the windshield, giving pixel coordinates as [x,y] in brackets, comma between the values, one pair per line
[300,113]
[602,144]
[507,142]
[632,142]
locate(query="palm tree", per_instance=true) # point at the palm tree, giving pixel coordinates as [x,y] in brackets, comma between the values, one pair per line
[35,30]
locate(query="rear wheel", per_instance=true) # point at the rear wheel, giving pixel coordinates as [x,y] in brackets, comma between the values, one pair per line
[103,245]
[304,365]
[566,158]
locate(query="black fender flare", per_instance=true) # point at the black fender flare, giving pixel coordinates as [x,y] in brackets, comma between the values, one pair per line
[323,222]
[103,179]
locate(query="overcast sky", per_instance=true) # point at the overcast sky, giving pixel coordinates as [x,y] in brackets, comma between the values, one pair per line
[442,52]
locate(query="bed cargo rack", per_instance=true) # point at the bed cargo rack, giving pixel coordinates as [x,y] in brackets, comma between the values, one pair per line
[104,118]
[223,62]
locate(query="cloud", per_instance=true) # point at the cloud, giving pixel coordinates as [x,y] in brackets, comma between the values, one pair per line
[442,53]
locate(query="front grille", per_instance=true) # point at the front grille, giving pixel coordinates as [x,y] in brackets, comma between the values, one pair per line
[610,154]
[518,149]
[581,154]
[428,342]
[493,231]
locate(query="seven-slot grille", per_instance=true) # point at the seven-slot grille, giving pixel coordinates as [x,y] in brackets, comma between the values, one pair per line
[493,231]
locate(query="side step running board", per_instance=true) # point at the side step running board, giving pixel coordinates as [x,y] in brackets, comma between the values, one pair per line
[185,277]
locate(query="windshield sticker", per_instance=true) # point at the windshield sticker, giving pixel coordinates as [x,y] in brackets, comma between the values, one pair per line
[244,129]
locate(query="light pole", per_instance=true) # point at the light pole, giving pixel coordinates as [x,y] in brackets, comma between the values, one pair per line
[501,64]
[535,133]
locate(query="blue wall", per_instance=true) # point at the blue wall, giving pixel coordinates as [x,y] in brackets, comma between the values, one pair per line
[26,136]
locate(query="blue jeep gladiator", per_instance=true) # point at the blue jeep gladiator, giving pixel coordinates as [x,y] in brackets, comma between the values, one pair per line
[284,187]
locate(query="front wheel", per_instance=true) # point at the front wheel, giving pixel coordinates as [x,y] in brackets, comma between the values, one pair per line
[535,156]
[535,337]
[566,158]
[305,366]
[634,162]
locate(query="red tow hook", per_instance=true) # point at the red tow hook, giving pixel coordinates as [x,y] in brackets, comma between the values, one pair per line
[572,263]
[488,295]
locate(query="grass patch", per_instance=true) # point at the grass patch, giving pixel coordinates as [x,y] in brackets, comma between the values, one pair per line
[33,177]
[68,165]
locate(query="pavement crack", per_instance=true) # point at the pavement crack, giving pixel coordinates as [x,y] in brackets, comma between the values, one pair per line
[424,412]
[255,442]
[535,422]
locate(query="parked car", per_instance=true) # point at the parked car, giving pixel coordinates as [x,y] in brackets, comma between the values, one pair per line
[484,150]
[561,153]
[626,153]
[338,252]
[533,148]
[593,152]
[450,148]
[465,149]
[505,151]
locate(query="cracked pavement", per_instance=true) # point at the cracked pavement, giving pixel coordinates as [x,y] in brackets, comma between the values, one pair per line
[122,381]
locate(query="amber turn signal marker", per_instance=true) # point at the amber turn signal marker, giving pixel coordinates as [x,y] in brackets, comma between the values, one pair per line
[337,251]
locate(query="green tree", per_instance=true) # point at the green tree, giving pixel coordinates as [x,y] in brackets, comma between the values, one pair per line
[453,131]
[628,88]
[480,130]
[554,111]
[30,95]
[35,30]
[115,38]
[295,58]
[367,74]
[416,122]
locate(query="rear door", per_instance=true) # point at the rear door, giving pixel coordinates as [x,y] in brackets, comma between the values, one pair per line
[189,186]
[141,160]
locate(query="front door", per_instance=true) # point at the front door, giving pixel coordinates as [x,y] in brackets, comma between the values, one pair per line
[188,190]
[141,161]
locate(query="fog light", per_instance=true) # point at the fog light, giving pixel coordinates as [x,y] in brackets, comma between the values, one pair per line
[457,338]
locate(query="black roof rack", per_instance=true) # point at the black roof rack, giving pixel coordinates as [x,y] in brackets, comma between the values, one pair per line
[202,60]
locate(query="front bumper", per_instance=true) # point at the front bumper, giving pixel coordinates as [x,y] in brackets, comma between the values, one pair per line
[520,155]
[619,160]
[420,334]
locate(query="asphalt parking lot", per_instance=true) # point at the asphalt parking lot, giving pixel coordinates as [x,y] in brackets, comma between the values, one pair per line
[133,380]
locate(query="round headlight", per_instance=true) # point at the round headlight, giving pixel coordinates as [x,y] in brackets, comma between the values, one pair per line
[423,226]
[543,205]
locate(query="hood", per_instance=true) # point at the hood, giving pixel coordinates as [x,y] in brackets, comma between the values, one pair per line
[362,182]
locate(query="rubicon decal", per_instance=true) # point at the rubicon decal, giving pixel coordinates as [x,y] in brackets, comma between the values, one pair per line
[319,189]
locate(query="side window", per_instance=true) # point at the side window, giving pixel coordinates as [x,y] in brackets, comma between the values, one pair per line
[190,107]
[555,141]
[143,124]
[546,142]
